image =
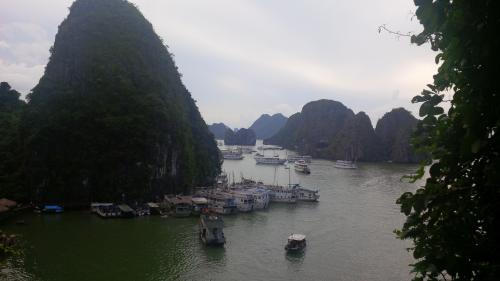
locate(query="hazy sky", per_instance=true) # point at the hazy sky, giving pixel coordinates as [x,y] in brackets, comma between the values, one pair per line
[240,58]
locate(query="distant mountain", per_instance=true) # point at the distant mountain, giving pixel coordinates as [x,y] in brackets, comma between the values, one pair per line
[394,130]
[266,125]
[219,130]
[240,137]
[328,129]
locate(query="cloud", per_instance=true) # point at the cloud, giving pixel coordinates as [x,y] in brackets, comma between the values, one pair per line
[21,76]
[240,59]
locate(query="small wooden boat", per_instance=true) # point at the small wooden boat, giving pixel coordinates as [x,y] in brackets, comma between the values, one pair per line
[296,243]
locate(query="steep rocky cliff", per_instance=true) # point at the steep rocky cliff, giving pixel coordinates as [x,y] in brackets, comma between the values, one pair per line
[218,130]
[111,118]
[266,125]
[240,137]
[328,129]
[394,130]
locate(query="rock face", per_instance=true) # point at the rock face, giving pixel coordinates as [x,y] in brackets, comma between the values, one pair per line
[240,137]
[394,130]
[266,125]
[356,140]
[218,130]
[11,144]
[328,129]
[111,119]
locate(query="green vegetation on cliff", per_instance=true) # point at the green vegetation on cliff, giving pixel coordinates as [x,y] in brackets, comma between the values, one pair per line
[218,130]
[240,137]
[111,118]
[266,125]
[453,219]
[328,129]
[11,144]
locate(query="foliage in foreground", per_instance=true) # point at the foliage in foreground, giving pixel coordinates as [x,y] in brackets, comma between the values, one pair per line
[453,219]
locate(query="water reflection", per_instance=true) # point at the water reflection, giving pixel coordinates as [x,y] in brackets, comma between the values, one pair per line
[214,255]
[295,257]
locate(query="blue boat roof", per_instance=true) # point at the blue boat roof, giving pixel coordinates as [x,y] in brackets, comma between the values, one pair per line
[52,207]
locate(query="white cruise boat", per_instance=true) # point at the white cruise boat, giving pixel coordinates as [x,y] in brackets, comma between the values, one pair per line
[293,158]
[221,203]
[232,154]
[283,194]
[261,197]
[301,167]
[244,200]
[305,194]
[345,164]
[275,160]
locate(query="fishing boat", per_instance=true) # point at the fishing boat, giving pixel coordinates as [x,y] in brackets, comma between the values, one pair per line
[211,229]
[293,158]
[301,167]
[275,160]
[296,243]
[345,164]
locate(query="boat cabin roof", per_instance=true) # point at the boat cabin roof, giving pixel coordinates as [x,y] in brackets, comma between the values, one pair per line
[52,207]
[125,208]
[199,200]
[297,237]
[153,205]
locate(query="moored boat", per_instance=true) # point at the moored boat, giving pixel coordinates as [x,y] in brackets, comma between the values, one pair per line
[261,197]
[305,194]
[283,194]
[345,164]
[231,154]
[199,204]
[211,229]
[126,211]
[180,206]
[108,211]
[221,203]
[275,160]
[293,158]
[244,200]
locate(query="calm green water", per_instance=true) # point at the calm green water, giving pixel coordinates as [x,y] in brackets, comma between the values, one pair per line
[349,236]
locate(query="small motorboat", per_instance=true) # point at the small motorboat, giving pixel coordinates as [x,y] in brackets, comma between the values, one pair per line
[296,243]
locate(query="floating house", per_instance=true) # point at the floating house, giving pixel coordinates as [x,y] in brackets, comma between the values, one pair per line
[154,208]
[180,206]
[199,204]
[126,211]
